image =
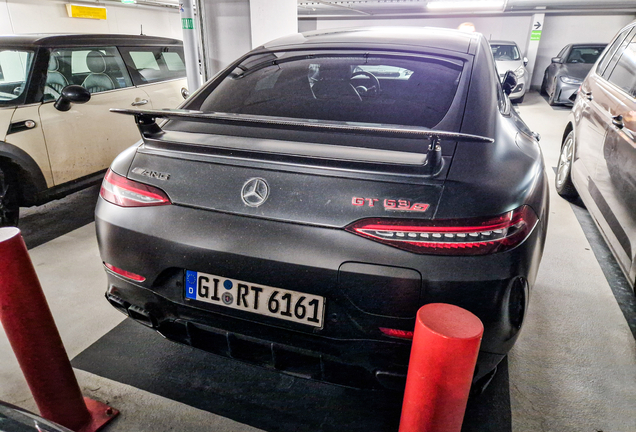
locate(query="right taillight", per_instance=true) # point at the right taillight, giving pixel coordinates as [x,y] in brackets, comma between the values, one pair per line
[474,236]
[124,192]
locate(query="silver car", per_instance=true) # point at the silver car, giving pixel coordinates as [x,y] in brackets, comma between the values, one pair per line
[507,57]
[567,70]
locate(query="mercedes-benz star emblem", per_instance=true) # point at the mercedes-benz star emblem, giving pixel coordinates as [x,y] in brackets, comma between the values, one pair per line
[255,191]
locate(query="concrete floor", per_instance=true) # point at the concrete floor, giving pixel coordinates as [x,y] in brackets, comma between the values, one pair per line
[572,369]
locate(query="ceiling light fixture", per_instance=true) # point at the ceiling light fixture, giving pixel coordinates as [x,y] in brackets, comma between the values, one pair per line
[466,5]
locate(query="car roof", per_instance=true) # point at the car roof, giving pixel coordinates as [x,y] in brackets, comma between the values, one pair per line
[502,42]
[395,37]
[595,44]
[74,40]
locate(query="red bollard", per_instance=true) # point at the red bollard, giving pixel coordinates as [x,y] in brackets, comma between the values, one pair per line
[29,325]
[443,357]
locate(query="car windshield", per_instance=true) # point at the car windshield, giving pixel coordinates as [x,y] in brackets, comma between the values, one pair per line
[14,69]
[503,52]
[584,54]
[366,88]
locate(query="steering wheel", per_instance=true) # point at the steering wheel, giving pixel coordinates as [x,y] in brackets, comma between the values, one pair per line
[364,91]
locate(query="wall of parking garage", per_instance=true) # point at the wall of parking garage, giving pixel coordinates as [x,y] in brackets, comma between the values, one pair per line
[50,16]
[558,31]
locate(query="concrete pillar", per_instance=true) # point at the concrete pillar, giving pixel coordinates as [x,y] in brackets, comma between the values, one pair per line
[230,28]
[190,44]
[532,47]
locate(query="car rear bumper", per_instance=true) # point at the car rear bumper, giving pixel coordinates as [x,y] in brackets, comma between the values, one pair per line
[160,243]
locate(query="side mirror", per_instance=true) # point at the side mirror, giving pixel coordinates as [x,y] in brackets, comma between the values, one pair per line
[71,94]
[509,82]
[525,61]
[184,92]
[556,60]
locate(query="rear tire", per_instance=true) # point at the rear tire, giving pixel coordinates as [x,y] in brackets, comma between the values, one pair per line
[9,207]
[563,179]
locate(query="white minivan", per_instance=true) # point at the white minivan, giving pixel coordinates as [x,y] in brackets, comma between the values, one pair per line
[56,132]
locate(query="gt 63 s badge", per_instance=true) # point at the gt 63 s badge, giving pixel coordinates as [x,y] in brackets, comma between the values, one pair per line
[391,204]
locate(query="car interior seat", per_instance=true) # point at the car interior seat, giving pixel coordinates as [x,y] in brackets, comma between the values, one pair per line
[588,58]
[97,80]
[503,53]
[334,83]
[55,80]
[575,57]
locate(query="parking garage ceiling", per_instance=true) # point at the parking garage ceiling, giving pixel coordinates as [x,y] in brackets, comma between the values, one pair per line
[418,8]
[392,8]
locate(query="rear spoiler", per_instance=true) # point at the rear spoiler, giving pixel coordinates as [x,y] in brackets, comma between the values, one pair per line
[146,122]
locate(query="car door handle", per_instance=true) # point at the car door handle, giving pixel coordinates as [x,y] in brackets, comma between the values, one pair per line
[140,102]
[588,95]
[618,121]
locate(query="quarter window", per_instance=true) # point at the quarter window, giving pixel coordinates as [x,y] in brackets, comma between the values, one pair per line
[149,65]
[602,68]
[624,73]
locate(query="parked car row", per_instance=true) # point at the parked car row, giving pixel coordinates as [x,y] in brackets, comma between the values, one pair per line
[50,145]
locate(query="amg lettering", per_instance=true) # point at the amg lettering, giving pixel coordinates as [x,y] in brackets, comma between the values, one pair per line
[152,174]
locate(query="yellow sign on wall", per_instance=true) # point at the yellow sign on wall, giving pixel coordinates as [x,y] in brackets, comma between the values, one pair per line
[92,12]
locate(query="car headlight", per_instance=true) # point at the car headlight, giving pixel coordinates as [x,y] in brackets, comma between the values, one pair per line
[570,80]
[520,71]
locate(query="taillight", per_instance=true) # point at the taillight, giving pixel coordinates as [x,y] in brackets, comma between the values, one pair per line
[475,236]
[124,192]
[124,273]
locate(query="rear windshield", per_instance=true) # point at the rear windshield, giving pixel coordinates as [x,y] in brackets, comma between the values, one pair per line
[584,54]
[366,88]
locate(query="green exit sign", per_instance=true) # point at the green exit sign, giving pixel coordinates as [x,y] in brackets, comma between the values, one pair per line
[187,24]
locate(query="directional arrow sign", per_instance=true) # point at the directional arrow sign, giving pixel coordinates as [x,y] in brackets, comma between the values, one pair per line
[537,25]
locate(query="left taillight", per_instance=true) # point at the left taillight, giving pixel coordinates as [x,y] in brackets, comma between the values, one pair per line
[475,236]
[124,192]
[124,273]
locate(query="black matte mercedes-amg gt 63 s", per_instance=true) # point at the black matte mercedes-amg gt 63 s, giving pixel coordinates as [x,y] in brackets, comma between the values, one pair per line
[303,204]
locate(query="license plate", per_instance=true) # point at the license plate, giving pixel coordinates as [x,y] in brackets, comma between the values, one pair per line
[274,302]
